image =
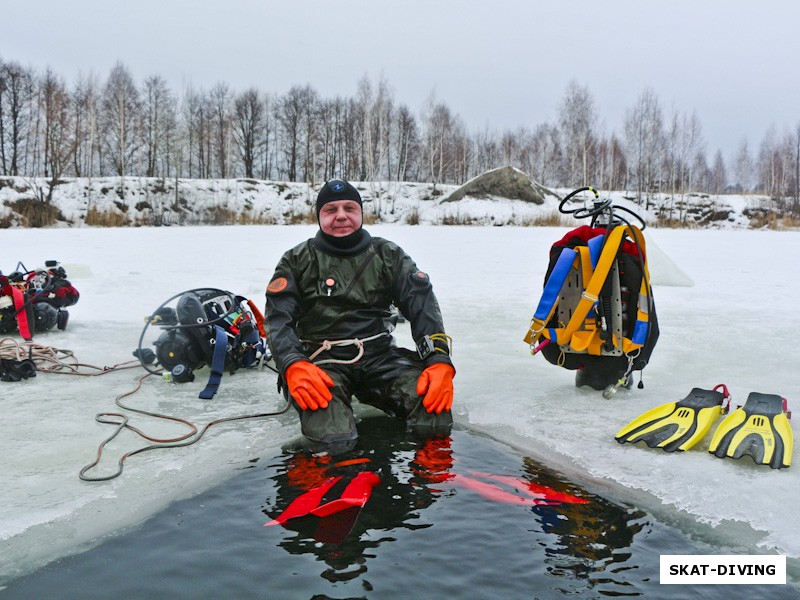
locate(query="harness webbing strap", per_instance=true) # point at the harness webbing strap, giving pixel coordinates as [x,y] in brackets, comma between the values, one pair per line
[587,264]
[596,248]
[217,363]
[549,299]
[24,327]
[553,286]
[594,286]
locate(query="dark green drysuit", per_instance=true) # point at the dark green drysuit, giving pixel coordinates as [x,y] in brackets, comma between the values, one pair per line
[320,293]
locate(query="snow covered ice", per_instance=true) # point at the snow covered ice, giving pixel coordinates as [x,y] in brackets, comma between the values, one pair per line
[726,302]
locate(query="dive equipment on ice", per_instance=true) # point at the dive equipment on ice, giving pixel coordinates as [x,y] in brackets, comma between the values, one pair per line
[760,429]
[35,300]
[207,326]
[597,311]
[16,370]
[677,426]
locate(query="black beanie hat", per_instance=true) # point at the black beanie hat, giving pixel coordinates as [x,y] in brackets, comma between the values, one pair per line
[337,189]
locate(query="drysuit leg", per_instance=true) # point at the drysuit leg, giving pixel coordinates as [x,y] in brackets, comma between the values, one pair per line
[418,419]
[331,429]
[389,382]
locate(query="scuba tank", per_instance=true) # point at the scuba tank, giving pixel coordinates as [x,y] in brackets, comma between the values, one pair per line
[207,326]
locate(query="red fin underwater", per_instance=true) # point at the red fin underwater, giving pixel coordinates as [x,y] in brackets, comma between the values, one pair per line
[355,495]
[535,495]
[542,492]
[305,503]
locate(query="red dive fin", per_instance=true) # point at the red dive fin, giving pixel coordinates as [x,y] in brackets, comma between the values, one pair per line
[355,495]
[490,491]
[305,503]
[542,492]
[535,495]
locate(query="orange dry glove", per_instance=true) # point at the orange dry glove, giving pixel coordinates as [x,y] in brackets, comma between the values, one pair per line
[436,382]
[308,385]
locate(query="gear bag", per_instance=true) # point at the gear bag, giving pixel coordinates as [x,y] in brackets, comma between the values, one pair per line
[597,314]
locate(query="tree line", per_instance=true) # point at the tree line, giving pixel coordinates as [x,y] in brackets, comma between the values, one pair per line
[118,127]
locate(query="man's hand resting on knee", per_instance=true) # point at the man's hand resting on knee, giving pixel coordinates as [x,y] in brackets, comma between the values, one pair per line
[436,382]
[309,385]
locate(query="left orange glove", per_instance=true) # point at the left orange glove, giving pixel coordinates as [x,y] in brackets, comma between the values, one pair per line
[308,385]
[436,382]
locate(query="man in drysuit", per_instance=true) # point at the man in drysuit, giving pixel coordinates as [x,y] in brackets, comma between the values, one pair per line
[329,322]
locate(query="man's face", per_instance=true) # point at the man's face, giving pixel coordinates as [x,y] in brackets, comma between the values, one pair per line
[340,217]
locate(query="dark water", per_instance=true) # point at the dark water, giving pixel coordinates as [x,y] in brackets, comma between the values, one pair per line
[426,532]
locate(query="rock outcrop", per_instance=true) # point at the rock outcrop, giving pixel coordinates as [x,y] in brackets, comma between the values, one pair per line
[504,182]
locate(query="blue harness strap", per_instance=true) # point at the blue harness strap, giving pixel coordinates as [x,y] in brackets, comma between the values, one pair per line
[553,286]
[596,248]
[217,363]
[640,332]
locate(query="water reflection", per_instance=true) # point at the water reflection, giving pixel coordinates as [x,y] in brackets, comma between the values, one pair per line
[577,535]
[405,466]
[586,539]
[456,516]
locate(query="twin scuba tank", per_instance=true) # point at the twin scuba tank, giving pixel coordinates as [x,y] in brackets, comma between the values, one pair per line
[191,333]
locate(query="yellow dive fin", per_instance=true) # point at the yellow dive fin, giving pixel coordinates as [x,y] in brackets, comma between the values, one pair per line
[759,429]
[677,426]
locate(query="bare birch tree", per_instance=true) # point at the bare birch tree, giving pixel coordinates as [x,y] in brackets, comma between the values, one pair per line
[197,133]
[85,113]
[719,174]
[291,114]
[546,154]
[16,93]
[742,166]
[58,144]
[121,120]
[577,120]
[249,121]
[220,100]
[158,126]
[438,149]
[643,141]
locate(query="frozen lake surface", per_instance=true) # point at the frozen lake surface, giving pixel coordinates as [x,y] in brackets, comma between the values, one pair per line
[732,326]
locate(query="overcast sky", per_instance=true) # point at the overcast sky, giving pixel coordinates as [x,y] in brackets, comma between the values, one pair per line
[496,63]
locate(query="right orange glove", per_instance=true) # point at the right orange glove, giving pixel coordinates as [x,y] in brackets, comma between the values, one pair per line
[308,385]
[436,382]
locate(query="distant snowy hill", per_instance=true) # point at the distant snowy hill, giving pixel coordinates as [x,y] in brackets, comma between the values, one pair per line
[139,201]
